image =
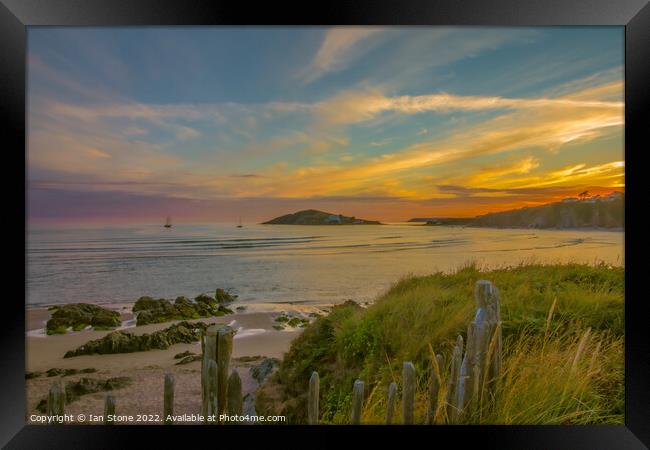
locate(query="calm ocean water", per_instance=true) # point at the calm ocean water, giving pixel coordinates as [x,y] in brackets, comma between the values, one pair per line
[278,263]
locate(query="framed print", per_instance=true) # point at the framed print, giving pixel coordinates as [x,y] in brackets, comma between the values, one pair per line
[370,219]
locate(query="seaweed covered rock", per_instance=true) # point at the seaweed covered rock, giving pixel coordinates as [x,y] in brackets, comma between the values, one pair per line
[183,354]
[85,386]
[285,320]
[125,342]
[54,372]
[261,371]
[189,358]
[186,309]
[206,305]
[224,297]
[149,310]
[79,316]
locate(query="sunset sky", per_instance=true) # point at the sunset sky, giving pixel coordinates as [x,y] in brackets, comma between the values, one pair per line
[209,124]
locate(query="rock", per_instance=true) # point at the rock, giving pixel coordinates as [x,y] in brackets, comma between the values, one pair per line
[125,342]
[188,359]
[241,308]
[223,296]
[66,372]
[261,371]
[79,316]
[225,310]
[294,322]
[186,308]
[149,310]
[206,301]
[183,354]
[249,404]
[85,386]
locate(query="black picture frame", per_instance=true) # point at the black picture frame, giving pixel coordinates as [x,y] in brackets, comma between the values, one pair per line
[634,15]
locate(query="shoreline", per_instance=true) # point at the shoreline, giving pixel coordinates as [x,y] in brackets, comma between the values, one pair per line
[37,315]
[255,341]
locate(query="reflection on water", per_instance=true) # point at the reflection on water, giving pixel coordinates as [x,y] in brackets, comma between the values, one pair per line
[279,263]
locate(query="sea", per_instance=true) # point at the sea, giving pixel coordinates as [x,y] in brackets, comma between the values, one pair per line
[319,265]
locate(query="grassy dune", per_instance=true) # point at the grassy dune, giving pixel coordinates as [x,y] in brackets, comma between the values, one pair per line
[563,347]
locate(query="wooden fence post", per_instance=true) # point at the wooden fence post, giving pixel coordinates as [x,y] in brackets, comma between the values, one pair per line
[357,402]
[452,395]
[213,383]
[56,402]
[209,354]
[434,389]
[408,392]
[235,402]
[390,403]
[109,409]
[488,297]
[467,367]
[168,402]
[224,350]
[312,401]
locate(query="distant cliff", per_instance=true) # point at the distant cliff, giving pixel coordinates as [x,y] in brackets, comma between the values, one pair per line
[315,217]
[595,212]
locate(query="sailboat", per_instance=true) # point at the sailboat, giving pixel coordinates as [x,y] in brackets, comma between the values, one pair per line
[239,225]
[168,223]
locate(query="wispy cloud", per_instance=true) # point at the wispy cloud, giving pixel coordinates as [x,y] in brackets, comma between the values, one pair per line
[399,127]
[339,47]
[547,123]
[360,106]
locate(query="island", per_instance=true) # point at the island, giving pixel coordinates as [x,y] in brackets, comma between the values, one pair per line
[315,217]
[572,212]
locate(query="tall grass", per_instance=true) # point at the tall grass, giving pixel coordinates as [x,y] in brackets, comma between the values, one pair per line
[562,350]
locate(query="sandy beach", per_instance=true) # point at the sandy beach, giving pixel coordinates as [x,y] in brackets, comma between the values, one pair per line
[255,340]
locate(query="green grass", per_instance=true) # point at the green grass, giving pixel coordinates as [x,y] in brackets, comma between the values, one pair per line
[546,310]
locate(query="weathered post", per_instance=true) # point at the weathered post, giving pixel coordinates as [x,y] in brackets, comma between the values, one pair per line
[209,354]
[434,389]
[467,367]
[487,297]
[224,350]
[481,340]
[453,379]
[357,402]
[203,370]
[457,413]
[390,403]
[56,402]
[312,401]
[212,391]
[109,409]
[408,393]
[476,380]
[168,401]
[235,401]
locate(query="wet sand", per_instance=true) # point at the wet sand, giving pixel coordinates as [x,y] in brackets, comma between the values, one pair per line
[256,338]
